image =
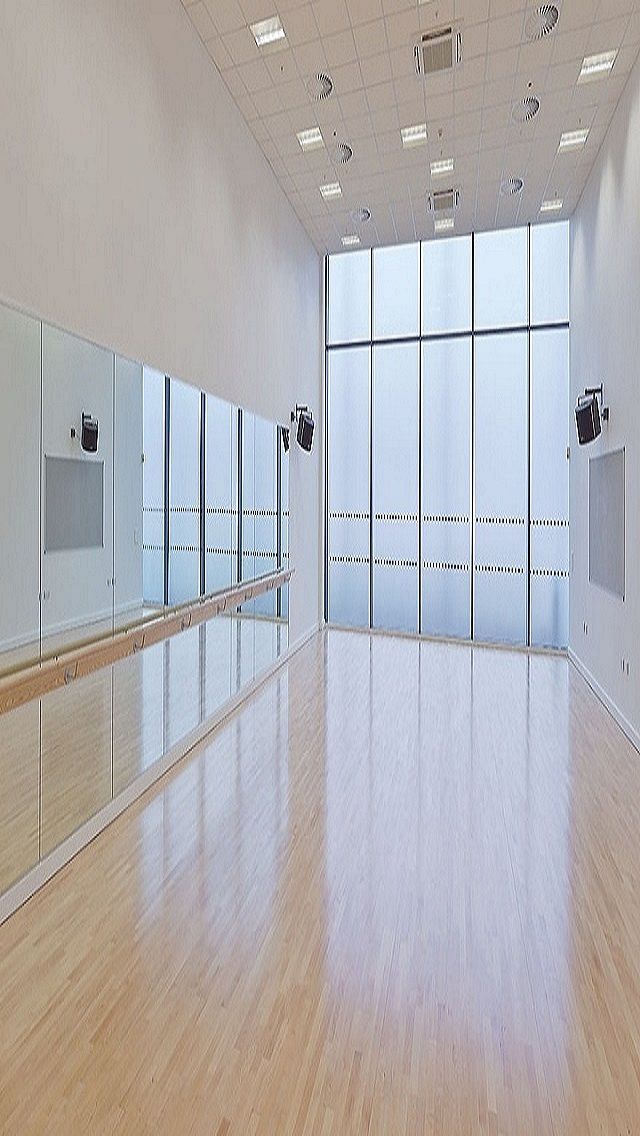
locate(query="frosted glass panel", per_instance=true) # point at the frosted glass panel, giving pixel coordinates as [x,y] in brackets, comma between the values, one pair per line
[349,297]
[153,384]
[221,494]
[396,291]
[501,279]
[284,527]
[550,273]
[396,418]
[348,446]
[446,488]
[501,449]
[446,285]
[549,487]
[184,494]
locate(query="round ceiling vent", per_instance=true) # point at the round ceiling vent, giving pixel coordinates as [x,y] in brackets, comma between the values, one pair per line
[361,215]
[542,21]
[511,186]
[319,86]
[342,153]
[526,109]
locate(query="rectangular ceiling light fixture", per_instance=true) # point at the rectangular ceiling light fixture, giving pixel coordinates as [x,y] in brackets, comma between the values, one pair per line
[553,205]
[351,241]
[442,167]
[443,224]
[596,66]
[414,135]
[573,140]
[331,191]
[310,139]
[267,31]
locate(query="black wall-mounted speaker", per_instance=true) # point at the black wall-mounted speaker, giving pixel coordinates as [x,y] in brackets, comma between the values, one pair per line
[588,419]
[89,438]
[305,430]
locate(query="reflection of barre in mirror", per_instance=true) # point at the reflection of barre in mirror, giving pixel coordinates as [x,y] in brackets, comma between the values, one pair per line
[28,683]
[144,535]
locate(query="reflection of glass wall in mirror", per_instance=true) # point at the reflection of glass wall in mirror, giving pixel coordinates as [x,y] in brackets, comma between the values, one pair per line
[247,560]
[221,494]
[265,507]
[283,600]
[77,490]
[184,493]
[19,466]
[127,493]
[153,430]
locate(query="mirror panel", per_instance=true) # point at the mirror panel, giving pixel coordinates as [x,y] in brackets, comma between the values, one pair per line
[20,472]
[77,559]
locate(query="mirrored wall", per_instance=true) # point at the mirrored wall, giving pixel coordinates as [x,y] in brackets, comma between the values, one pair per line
[447,388]
[126,493]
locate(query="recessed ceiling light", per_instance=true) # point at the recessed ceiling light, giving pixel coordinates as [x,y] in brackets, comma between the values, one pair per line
[596,66]
[414,135]
[310,139]
[442,167]
[573,140]
[267,31]
[443,224]
[331,190]
[350,241]
[553,205]
[342,153]
[361,215]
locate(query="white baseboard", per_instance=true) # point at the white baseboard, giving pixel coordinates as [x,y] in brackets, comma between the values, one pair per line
[30,883]
[600,693]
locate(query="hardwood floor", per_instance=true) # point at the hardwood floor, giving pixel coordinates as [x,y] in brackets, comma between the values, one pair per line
[398,892]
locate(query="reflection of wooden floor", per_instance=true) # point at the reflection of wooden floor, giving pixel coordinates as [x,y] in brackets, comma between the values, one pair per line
[100,733]
[398,892]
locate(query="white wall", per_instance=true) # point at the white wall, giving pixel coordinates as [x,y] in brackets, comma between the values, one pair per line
[136,210]
[605,347]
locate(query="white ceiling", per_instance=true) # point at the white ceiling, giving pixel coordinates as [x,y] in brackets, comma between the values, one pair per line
[366,48]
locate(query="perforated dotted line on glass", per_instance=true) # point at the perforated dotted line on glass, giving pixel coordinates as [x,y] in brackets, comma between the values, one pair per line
[153,547]
[153,508]
[220,551]
[500,520]
[349,559]
[454,519]
[550,524]
[184,548]
[386,562]
[557,572]
[396,517]
[261,553]
[221,511]
[444,566]
[502,569]
[349,516]
[259,513]
[184,509]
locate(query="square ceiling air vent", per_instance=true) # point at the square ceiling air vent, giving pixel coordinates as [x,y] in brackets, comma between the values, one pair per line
[438,51]
[444,201]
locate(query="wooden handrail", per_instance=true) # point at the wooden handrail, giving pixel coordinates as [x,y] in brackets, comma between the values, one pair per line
[41,678]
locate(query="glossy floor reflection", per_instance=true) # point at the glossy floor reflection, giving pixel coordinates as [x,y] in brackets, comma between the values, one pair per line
[398,892]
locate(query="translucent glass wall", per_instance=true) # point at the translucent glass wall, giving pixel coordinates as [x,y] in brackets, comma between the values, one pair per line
[447,385]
